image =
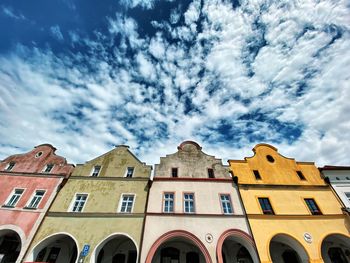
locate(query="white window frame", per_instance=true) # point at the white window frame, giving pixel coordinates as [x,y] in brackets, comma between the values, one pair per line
[71,207]
[44,170]
[121,202]
[223,202]
[8,166]
[126,172]
[188,200]
[93,170]
[32,197]
[168,199]
[347,196]
[10,196]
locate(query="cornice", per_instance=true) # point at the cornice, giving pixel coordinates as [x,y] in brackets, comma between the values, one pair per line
[194,215]
[108,178]
[294,217]
[282,186]
[95,214]
[43,175]
[214,180]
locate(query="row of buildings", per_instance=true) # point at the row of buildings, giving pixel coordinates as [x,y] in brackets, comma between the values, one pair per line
[190,209]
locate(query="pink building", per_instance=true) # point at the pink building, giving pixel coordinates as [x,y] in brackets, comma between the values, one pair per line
[29,183]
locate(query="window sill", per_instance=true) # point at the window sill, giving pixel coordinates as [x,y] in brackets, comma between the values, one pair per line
[30,208]
[8,206]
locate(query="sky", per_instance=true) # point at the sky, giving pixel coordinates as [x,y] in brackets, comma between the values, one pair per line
[87,75]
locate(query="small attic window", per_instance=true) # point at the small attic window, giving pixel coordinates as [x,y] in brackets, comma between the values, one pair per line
[300,175]
[270,158]
[174,172]
[337,178]
[347,178]
[38,154]
[257,175]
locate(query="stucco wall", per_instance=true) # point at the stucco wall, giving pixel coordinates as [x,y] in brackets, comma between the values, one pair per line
[290,201]
[281,171]
[114,164]
[90,231]
[197,225]
[103,195]
[206,194]
[191,162]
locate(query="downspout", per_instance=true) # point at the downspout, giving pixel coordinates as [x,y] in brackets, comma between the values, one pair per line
[235,181]
[149,185]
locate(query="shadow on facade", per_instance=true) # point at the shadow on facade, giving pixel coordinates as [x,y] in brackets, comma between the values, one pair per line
[10,246]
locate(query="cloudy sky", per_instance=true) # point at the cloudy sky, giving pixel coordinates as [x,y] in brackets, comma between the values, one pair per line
[86,75]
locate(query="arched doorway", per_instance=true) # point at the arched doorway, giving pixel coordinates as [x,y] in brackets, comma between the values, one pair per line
[117,248]
[58,248]
[178,246]
[335,248]
[10,246]
[236,246]
[285,249]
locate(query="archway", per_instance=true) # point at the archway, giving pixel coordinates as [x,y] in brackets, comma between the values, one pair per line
[10,246]
[236,246]
[178,246]
[335,248]
[285,249]
[117,248]
[58,248]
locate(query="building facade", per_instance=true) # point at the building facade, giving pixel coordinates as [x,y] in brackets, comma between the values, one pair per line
[29,183]
[194,213]
[98,215]
[293,213]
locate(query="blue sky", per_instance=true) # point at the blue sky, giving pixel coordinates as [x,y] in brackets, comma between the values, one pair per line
[86,75]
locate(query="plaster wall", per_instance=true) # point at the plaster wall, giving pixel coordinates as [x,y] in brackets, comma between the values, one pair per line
[114,164]
[285,201]
[340,181]
[91,230]
[30,163]
[319,227]
[281,171]
[199,226]
[206,194]
[103,195]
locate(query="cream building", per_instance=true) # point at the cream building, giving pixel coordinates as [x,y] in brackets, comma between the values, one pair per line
[194,212]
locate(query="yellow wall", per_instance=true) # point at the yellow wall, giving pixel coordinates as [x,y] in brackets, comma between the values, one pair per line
[286,192]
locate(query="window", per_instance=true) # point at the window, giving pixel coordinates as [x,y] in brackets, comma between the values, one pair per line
[10,166]
[96,170]
[312,206]
[16,195]
[265,205]
[226,204]
[189,203]
[127,203]
[257,174]
[300,175]
[39,194]
[38,154]
[168,203]
[129,172]
[79,202]
[48,168]
[174,172]
[270,158]
[347,196]
[211,173]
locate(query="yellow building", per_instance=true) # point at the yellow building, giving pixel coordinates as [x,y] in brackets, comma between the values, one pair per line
[98,215]
[294,215]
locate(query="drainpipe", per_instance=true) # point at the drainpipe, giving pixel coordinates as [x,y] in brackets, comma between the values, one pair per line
[235,181]
[149,185]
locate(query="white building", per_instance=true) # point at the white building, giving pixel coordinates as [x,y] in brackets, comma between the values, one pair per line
[194,212]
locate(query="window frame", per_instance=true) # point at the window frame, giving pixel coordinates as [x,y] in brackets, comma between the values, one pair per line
[6,204]
[300,175]
[127,170]
[121,203]
[163,203]
[230,202]
[10,165]
[32,197]
[257,175]
[318,212]
[193,200]
[211,171]
[71,207]
[46,166]
[93,170]
[262,209]
[177,172]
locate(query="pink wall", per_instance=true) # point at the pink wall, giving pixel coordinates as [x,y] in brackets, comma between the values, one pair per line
[32,163]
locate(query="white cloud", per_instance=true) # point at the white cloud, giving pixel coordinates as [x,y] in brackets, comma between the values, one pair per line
[56,32]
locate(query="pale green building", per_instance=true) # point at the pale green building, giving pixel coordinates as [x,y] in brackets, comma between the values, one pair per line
[98,215]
